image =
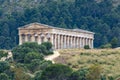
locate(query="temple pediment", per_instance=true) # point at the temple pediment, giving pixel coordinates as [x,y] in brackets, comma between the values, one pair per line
[35,26]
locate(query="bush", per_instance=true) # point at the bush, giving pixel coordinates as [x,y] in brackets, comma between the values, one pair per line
[48,45]
[106,46]
[86,47]
[56,72]
[37,75]
[80,74]
[3,54]
[21,52]
[31,56]
[4,76]
[4,66]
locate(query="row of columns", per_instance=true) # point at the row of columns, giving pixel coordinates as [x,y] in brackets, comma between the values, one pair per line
[65,41]
[58,41]
[33,38]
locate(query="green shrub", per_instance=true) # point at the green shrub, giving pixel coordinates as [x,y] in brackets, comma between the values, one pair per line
[48,45]
[31,56]
[86,47]
[56,72]
[4,76]
[3,54]
[20,53]
[4,66]
[106,46]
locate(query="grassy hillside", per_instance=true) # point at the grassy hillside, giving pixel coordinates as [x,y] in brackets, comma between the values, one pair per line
[108,59]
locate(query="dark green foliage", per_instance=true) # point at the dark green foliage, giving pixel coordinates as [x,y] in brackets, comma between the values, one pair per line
[56,72]
[31,56]
[114,42]
[86,47]
[48,45]
[4,76]
[26,52]
[37,64]
[106,46]
[5,71]
[3,54]
[47,48]
[80,74]
[38,75]
[4,66]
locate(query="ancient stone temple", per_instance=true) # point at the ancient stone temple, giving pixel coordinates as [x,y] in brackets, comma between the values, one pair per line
[59,37]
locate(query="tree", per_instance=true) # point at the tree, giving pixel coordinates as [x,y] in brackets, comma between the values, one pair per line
[114,42]
[56,72]
[4,76]
[38,75]
[4,66]
[86,47]
[48,45]
[80,74]
[31,50]
[31,56]
[5,32]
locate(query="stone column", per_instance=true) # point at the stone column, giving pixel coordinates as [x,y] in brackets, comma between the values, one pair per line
[77,42]
[71,41]
[55,45]
[39,39]
[65,42]
[74,42]
[32,38]
[45,38]
[51,40]
[92,44]
[58,42]
[82,42]
[86,41]
[25,37]
[20,39]
[61,41]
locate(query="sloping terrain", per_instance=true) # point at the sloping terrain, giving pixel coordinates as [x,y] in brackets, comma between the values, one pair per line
[108,59]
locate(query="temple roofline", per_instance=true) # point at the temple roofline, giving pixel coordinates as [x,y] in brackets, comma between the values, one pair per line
[48,26]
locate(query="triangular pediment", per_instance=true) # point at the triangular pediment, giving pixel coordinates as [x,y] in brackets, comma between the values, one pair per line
[36,26]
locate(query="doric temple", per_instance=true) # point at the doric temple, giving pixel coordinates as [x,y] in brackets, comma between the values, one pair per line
[59,37]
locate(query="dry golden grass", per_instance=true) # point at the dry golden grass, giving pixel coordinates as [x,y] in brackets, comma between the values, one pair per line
[108,59]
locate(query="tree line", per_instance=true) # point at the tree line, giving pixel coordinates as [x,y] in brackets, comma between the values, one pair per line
[100,17]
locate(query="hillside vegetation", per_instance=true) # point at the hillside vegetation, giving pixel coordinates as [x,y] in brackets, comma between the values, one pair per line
[108,59]
[100,17]
[28,63]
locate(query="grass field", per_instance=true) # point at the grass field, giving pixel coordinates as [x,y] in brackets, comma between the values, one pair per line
[108,59]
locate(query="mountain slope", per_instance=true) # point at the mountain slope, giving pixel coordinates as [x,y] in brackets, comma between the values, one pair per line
[102,18]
